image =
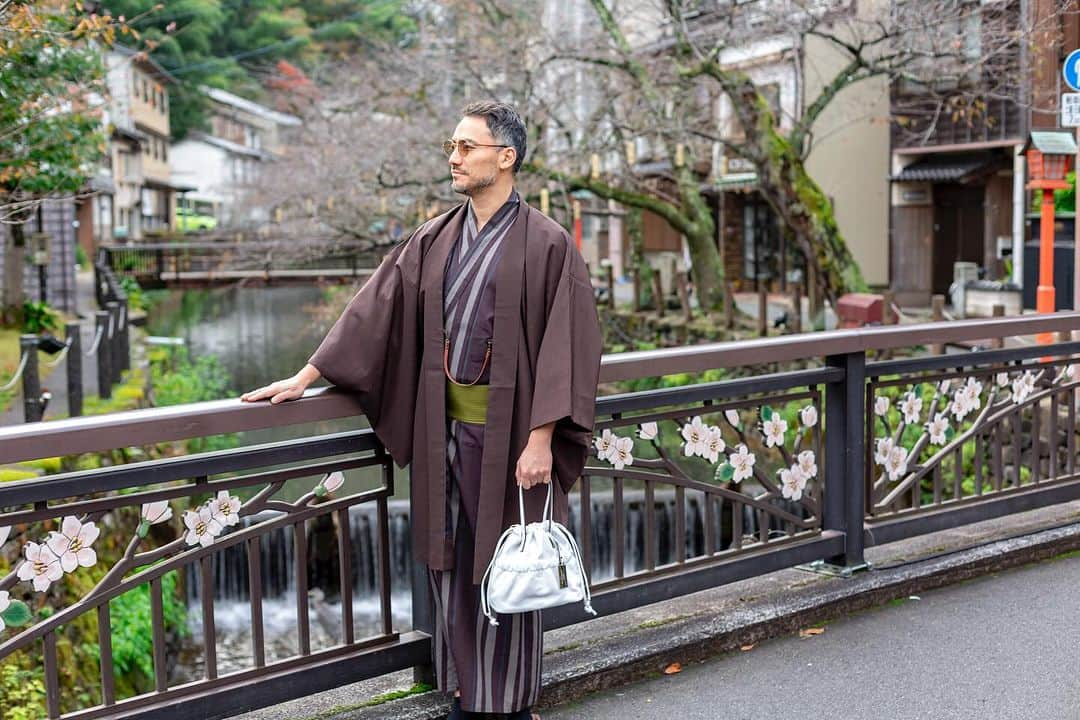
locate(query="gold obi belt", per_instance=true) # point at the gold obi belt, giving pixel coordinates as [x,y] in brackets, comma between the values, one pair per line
[467,403]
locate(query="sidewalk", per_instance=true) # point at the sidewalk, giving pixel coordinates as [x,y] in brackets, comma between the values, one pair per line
[608,652]
[1002,647]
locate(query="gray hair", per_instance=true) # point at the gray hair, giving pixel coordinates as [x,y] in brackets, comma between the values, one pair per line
[504,124]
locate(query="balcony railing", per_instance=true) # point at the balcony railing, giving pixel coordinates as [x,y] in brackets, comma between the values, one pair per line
[688,488]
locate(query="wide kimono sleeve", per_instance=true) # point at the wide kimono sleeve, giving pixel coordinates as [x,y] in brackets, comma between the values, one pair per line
[568,364]
[374,348]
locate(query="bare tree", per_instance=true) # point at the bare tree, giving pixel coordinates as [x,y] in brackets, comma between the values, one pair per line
[623,102]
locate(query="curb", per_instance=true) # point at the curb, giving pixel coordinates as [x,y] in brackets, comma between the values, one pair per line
[578,672]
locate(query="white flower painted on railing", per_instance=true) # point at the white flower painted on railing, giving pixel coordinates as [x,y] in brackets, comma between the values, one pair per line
[696,437]
[809,416]
[1071,371]
[5,603]
[939,428]
[742,463]
[881,406]
[620,454]
[882,449]
[967,399]
[897,463]
[911,408]
[792,482]
[41,566]
[329,484]
[714,445]
[732,417]
[1002,379]
[647,431]
[72,544]
[225,508]
[1023,386]
[152,514]
[202,526]
[604,444]
[774,428]
[4,532]
[807,463]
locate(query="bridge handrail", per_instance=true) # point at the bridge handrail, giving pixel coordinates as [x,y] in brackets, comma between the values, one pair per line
[179,422]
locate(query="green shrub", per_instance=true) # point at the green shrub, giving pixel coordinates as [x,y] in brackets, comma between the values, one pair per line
[39,317]
[132,634]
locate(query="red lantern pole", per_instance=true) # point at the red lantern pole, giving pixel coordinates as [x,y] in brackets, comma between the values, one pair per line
[1045,295]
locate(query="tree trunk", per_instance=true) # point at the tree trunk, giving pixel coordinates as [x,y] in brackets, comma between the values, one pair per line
[14,259]
[783,181]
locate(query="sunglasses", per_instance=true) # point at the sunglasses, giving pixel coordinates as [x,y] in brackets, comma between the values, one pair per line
[464,146]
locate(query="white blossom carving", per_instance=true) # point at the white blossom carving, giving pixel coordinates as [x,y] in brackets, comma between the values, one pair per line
[807,463]
[809,416]
[696,436]
[72,544]
[202,526]
[648,431]
[620,454]
[774,429]
[792,482]
[41,566]
[742,462]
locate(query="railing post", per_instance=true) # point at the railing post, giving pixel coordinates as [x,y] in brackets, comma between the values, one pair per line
[104,369]
[125,336]
[115,363]
[845,454]
[31,383]
[73,335]
[423,619]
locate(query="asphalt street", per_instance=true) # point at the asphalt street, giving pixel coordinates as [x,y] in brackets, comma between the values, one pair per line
[1000,647]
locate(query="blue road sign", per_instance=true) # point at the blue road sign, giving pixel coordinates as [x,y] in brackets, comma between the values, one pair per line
[1070,70]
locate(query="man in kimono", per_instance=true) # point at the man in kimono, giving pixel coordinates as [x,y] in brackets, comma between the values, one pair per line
[474,350]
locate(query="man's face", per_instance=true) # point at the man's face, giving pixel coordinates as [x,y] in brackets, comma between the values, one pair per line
[479,167]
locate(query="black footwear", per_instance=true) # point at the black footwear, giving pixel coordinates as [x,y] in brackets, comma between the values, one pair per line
[456,713]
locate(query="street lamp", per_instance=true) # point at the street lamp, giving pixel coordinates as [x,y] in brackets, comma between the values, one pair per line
[1050,155]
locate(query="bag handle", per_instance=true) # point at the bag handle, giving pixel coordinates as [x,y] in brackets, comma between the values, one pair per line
[547,504]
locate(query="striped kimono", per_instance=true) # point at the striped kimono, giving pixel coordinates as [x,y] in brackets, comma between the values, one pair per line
[496,668]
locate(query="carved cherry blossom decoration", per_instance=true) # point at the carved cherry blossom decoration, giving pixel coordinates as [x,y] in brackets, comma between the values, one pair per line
[72,544]
[226,508]
[604,444]
[714,445]
[41,566]
[696,436]
[911,408]
[809,416]
[881,406]
[647,431]
[882,449]
[774,427]
[807,462]
[897,462]
[741,464]
[152,514]
[939,429]
[620,454]
[792,482]
[732,416]
[330,483]
[4,533]
[1023,386]
[202,526]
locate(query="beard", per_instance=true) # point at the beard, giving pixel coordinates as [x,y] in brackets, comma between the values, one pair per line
[471,184]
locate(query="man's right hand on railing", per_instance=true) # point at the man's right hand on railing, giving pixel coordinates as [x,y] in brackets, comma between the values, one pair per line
[287,389]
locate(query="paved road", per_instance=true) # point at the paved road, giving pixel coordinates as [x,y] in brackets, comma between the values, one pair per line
[1002,647]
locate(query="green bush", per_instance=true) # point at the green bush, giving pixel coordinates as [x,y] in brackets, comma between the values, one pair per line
[178,380]
[80,258]
[22,692]
[39,317]
[132,634]
[137,299]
